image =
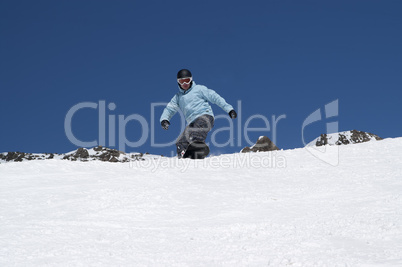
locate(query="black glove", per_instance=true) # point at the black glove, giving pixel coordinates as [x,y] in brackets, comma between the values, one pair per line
[233,114]
[165,124]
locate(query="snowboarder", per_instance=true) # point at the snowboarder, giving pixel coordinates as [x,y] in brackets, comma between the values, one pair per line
[192,99]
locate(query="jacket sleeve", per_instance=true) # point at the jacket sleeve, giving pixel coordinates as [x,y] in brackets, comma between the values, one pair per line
[171,109]
[216,99]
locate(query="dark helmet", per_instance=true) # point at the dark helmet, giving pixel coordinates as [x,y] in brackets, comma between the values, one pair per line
[184,73]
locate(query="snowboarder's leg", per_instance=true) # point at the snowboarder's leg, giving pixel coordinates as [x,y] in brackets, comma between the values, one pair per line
[195,131]
[182,142]
[200,128]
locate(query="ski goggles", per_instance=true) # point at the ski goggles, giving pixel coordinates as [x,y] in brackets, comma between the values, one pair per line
[184,80]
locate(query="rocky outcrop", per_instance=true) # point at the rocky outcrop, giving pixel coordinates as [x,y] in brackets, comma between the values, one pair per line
[263,144]
[21,156]
[97,153]
[345,138]
[81,154]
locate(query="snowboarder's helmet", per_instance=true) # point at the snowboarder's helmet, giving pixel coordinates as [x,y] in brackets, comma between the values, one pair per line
[184,73]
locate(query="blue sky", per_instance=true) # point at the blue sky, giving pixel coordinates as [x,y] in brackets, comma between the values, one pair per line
[278,58]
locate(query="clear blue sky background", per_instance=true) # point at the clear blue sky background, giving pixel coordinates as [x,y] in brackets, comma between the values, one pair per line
[276,57]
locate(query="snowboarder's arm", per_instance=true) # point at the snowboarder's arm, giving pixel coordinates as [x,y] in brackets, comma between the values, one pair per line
[216,99]
[171,109]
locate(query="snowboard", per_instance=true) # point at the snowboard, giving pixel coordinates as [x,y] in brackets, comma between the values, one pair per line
[196,150]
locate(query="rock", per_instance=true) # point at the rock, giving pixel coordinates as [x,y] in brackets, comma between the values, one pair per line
[105,157]
[113,159]
[345,138]
[246,150]
[81,153]
[263,144]
[15,156]
[98,148]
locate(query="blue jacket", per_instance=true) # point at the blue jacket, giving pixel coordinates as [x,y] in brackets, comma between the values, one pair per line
[194,103]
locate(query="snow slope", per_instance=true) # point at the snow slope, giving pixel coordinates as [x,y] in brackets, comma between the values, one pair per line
[282,208]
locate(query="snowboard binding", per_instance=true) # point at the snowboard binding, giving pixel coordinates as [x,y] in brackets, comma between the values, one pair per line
[196,150]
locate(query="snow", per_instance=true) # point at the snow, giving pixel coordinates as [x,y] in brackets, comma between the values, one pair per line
[282,208]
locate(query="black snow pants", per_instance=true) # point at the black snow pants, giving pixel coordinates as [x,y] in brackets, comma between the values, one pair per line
[195,131]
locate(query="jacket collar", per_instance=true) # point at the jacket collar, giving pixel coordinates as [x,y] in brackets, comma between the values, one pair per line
[186,91]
